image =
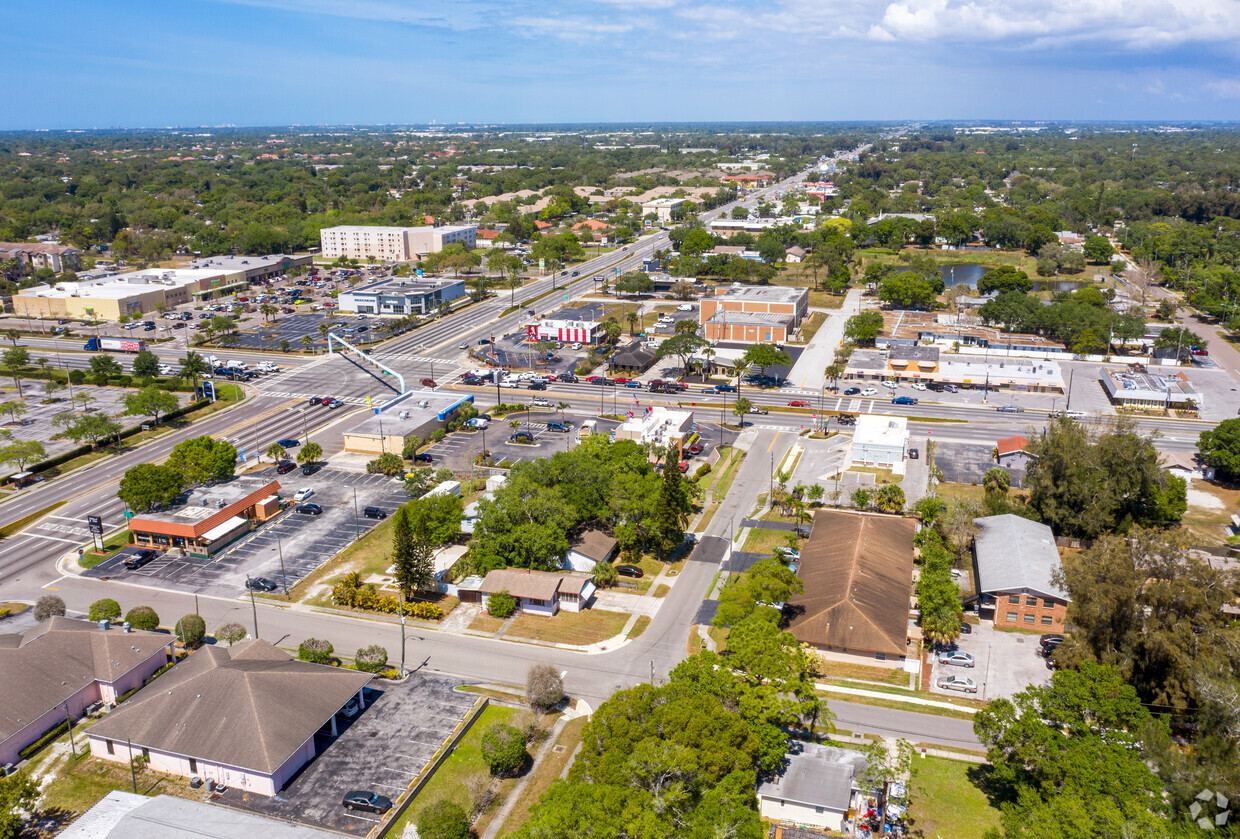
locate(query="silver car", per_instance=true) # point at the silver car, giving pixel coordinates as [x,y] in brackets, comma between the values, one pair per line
[956,657]
[961,683]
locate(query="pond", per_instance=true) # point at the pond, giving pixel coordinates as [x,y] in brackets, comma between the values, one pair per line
[968,273]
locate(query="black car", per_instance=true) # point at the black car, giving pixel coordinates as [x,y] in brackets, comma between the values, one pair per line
[260,584]
[470,380]
[852,391]
[567,377]
[422,458]
[371,802]
[139,559]
[537,386]
[630,571]
[374,513]
[1049,643]
[966,628]
[285,466]
[309,509]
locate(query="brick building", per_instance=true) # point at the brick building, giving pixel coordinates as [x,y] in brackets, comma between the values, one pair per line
[1014,563]
[752,314]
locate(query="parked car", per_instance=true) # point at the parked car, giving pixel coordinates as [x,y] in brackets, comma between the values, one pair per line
[630,571]
[918,385]
[956,657]
[139,559]
[285,466]
[371,802]
[424,457]
[961,683]
[913,454]
[374,513]
[904,400]
[695,448]
[887,384]
[303,493]
[289,442]
[310,468]
[259,584]
[351,708]
[556,425]
[309,509]
[852,391]
[525,437]
[869,391]
[1049,643]
[966,628]
[683,466]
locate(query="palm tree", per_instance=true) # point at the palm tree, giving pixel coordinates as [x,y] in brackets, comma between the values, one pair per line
[833,372]
[741,367]
[193,367]
[306,341]
[268,311]
[561,407]
[709,354]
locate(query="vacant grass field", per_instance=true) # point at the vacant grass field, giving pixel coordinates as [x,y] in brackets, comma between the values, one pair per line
[545,774]
[1206,521]
[485,623]
[580,628]
[466,760]
[765,541]
[365,556]
[946,799]
[862,672]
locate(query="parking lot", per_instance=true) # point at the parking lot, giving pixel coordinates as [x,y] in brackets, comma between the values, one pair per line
[291,328]
[382,749]
[304,541]
[1006,663]
[457,451]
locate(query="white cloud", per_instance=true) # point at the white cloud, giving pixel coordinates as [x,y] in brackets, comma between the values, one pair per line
[570,28]
[1225,88]
[877,33]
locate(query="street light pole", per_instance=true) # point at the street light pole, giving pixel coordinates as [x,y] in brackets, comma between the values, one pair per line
[253,606]
[283,573]
[357,527]
[401,595]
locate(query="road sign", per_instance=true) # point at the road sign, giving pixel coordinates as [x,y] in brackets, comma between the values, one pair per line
[95,524]
[542,263]
[128,514]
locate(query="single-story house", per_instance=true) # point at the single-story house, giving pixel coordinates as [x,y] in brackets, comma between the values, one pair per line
[244,716]
[1186,465]
[857,569]
[63,666]
[589,548]
[124,815]
[1015,560]
[816,787]
[879,440]
[1011,453]
[795,254]
[539,592]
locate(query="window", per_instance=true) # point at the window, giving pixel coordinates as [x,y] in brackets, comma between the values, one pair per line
[880,656]
[1014,599]
[1028,618]
[1011,616]
[111,747]
[193,765]
[1031,601]
[146,753]
[1048,603]
[1047,620]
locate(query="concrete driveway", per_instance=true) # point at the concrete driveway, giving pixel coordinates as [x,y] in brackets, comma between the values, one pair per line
[382,750]
[1007,663]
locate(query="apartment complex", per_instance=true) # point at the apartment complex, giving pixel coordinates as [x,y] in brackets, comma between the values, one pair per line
[752,314]
[1015,564]
[392,244]
[41,255]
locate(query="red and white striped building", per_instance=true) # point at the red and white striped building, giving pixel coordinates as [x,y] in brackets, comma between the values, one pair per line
[568,326]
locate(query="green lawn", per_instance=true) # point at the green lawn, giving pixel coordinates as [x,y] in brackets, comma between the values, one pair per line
[578,628]
[946,800]
[449,780]
[545,774]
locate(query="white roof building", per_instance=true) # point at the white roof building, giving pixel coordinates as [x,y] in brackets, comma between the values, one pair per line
[658,426]
[881,441]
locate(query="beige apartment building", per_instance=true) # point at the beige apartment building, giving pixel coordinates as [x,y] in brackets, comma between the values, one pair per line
[392,244]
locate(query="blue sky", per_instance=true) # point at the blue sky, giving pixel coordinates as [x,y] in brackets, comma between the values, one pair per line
[123,63]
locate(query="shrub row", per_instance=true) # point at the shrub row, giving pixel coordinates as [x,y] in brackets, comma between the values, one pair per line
[48,736]
[80,451]
[346,593]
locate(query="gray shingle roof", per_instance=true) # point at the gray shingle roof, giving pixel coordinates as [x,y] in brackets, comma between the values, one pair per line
[58,658]
[820,776]
[249,706]
[1016,554]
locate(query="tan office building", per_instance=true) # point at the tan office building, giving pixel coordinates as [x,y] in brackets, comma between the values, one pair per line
[108,298]
[751,314]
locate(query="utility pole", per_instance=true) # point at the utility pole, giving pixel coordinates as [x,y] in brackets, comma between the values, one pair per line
[283,573]
[401,596]
[253,606]
[357,527]
[133,772]
[69,722]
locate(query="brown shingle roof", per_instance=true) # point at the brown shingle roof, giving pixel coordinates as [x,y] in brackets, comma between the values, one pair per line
[594,544]
[532,585]
[858,572]
[47,664]
[250,706]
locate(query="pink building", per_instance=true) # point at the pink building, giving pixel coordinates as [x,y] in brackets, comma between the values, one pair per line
[244,716]
[61,667]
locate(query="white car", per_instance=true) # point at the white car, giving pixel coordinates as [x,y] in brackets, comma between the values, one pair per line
[463,346]
[962,683]
[513,383]
[869,391]
[919,386]
[684,307]
[302,494]
[577,346]
[539,402]
[889,385]
[165,370]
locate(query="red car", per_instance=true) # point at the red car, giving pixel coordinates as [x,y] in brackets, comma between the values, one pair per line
[243,300]
[696,448]
[620,380]
[684,466]
[429,383]
[798,403]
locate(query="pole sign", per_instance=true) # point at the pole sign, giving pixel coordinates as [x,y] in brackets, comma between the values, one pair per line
[542,263]
[95,525]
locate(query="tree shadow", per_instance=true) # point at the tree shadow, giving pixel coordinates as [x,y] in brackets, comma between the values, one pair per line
[997,791]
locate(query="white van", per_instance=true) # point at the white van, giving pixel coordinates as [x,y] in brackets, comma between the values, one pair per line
[587,428]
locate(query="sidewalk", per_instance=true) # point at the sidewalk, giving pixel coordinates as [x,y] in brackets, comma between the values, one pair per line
[894,697]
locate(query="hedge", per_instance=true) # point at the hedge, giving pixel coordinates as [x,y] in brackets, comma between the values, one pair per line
[348,593]
[48,736]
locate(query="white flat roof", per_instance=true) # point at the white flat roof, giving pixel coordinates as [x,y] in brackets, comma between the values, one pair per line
[224,528]
[880,430]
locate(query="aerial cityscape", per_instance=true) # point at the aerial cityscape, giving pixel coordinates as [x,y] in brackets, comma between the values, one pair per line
[481,421]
